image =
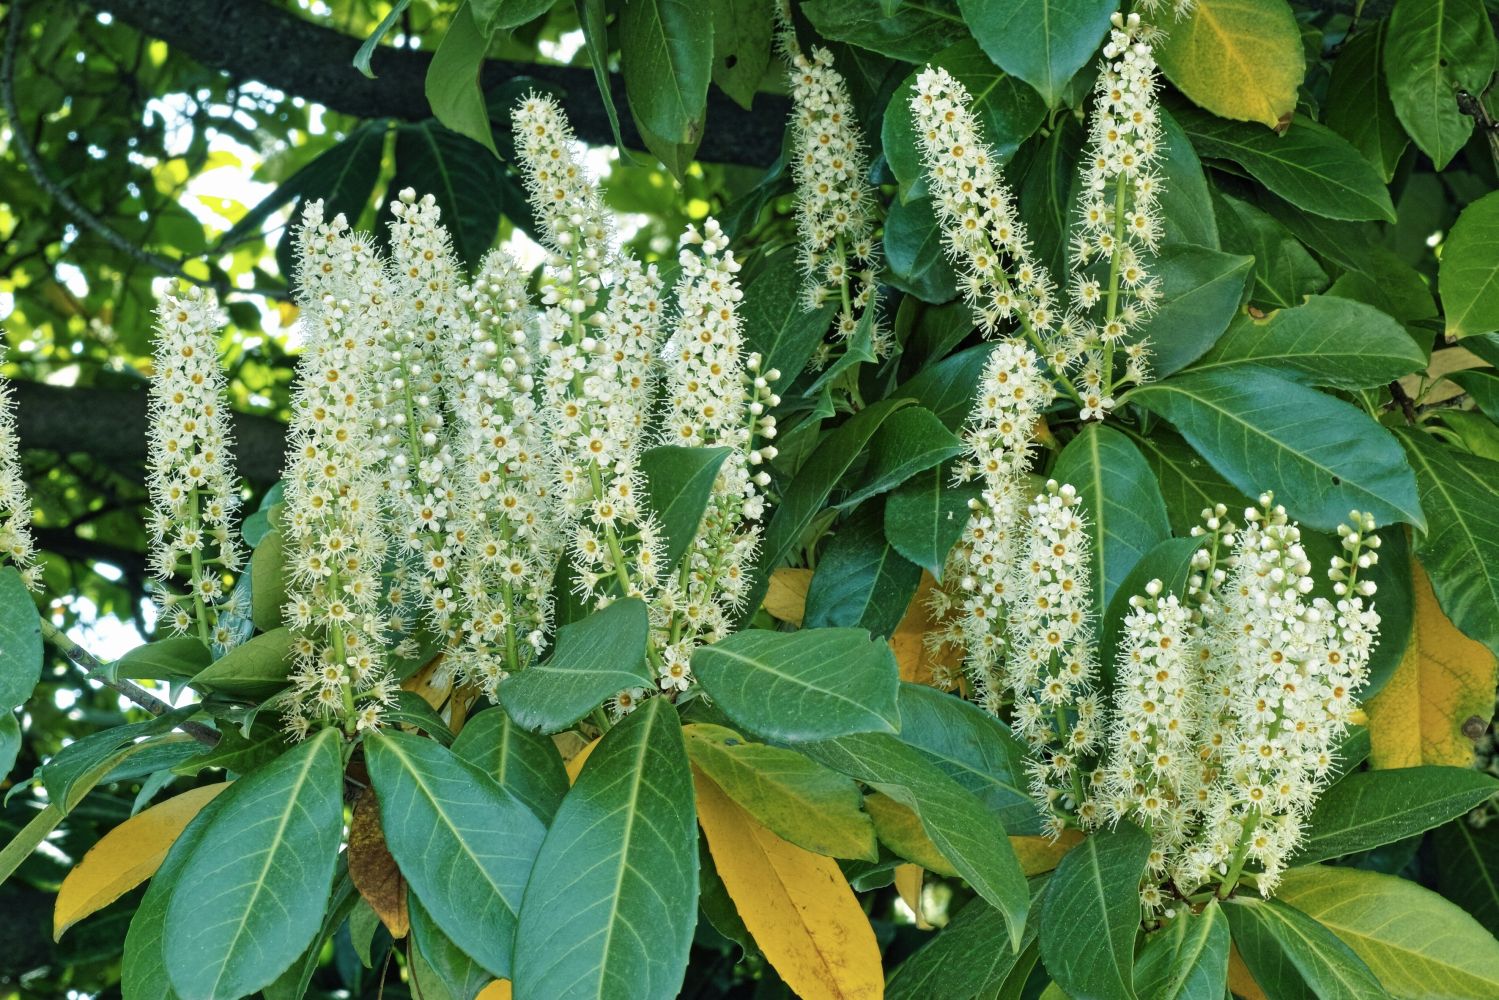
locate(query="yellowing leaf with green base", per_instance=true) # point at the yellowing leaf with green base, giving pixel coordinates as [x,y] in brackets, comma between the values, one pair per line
[1239,59]
[797,905]
[1442,692]
[1416,942]
[125,857]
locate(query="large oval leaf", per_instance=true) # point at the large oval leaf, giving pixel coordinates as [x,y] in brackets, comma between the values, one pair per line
[1295,955]
[1187,959]
[463,844]
[807,685]
[1044,42]
[1201,289]
[1433,49]
[1416,942]
[680,483]
[524,764]
[20,639]
[1092,913]
[252,894]
[1367,809]
[1240,59]
[612,902]
[1321,456]
[595,658]
[861,580]
[1469,274]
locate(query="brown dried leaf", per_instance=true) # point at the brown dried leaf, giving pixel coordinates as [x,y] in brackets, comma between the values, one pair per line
[373,870]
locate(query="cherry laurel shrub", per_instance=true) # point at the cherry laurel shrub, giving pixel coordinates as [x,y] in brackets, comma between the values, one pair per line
[1068,571]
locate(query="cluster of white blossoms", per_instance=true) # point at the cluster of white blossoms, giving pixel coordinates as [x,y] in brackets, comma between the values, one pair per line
[190,476]
[333,517]
[1118,227]
[15,503]
[507,546]
[716,398]
[420,327]
[1011,397]
[835,204]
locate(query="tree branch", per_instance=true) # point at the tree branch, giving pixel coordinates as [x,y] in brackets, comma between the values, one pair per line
[252,40]
[111,424]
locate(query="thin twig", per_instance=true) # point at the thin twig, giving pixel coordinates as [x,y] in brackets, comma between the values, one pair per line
[98,672]
[71,205]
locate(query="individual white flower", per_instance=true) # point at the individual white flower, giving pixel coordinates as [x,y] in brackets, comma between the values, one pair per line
[335,532]
[835,204]
[1118,224]
[15,502]
[190,476]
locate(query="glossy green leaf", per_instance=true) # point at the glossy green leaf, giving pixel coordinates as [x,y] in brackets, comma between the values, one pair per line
[1124,513]
[464,845]
[1433,48]
[968,834]
[1320,456]
[10,741]
[1467,868]
[252,895]
[1189,485]
[679,483]
[916,254]
[776,326]
[1092,912]
[237,752]
[1481,386]
[502,15]
[1186,204]
[594,659]
[666,51]
[1460,552]
[1310,166]
[1469,275]
[343,175]
[1294,956]
[795,798]
[807,685]
[1169,561]
[293,984]
[471,186]
[948,387]
[1187,959]
[253,670]
[453,79]
[973,748]
[911,32]
[912,440]
[1367,809]
[742,43]
[20,641]
[412,710]
[1327,341]
[925,517]
[268,581]
[524,764]
[1358,105]
[1284,272]
[1416,942]
[593,22]
[1048,189]
[861,580]
[440,970]
[1043,42]
[1008,112]
[367,48]
[72,771]
[960,960]
[1201,289]
[612,903]
[804,497]
[175,658]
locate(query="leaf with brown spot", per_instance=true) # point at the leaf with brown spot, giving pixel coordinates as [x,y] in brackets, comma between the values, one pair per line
[372,869]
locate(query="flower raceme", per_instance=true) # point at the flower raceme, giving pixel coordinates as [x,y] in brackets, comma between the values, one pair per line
[194,496]
[15,503]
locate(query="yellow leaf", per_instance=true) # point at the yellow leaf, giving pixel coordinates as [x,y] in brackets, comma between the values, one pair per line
[497,990]
[918,664]
[1240,59]
[1042,854]
[434,683]
[786,597]
[908,884]
[796,904]
[1443,686]
[126,856]
[900,829]
[1240,981]
[574,764]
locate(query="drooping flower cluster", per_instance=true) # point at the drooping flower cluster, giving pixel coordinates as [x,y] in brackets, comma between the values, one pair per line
[190,477]
[15,502]
[335,530]
[506,544]
[716,398]
[835,203]
[1118,226]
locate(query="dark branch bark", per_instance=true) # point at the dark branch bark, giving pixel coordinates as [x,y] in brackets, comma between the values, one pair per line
[252,40]
[110,426]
